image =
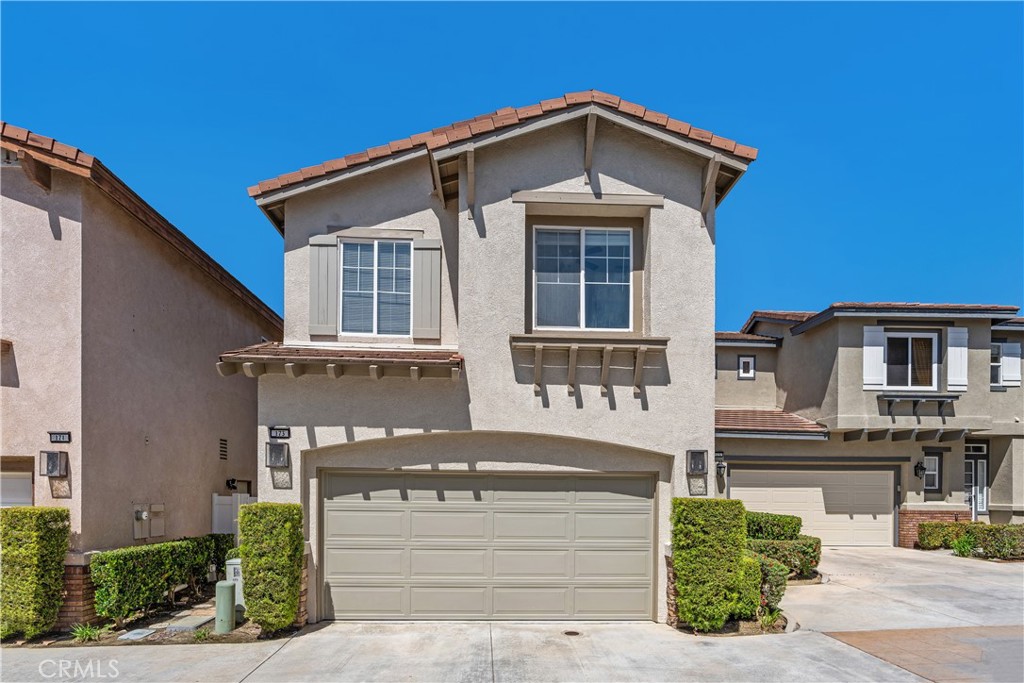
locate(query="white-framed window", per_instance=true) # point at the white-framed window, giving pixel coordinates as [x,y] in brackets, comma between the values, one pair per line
[995,366]
[933,473]
[376,288]
[582,279]
[911,360]
[976,449]
[745,367]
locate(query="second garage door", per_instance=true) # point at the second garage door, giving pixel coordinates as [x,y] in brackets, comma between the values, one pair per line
[437,546]
[839,507]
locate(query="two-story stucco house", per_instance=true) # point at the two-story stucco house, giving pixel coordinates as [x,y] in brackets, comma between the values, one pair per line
[868,418]
[496,367]
[110,319]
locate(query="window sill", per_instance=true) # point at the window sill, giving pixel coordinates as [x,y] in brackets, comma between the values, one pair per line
[999,388]
[583,339]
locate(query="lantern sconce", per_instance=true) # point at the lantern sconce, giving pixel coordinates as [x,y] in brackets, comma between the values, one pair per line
[919,470]
[720,465]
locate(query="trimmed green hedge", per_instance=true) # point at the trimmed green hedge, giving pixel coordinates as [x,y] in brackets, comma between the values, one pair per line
[934,535]
[708,536]
[801,556]
[748,598]
[136,578]
[1000,541]
[271,549]
[33,543]
[769,526]
[222,544]
[773,579]
[232,554]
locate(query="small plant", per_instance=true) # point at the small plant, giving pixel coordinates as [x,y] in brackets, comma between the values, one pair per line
[87,633]
[768,617]
[964,545]
[201,635]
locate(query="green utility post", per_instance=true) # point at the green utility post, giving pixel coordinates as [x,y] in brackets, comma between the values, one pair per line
[225,606]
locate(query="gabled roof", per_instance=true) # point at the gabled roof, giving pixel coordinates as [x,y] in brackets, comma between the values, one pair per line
[39,154]
[905,309]
[775,317]
[438,139]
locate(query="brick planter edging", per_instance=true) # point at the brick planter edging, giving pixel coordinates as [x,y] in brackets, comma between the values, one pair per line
[909,519]
[79,606]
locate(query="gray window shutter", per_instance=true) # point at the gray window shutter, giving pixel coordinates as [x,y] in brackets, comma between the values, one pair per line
[426,289]
[323,285]
[874,358]
[956,359]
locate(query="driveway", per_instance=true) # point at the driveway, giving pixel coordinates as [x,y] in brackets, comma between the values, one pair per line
[887,615]
[941,617]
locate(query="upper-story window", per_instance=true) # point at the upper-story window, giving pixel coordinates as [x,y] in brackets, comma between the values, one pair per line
[911,360]
[583,278]
[376,284]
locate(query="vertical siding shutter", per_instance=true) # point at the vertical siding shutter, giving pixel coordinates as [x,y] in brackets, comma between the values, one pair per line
[1011,364]
[874,369]
[426,289]
[323,285]
[956,359]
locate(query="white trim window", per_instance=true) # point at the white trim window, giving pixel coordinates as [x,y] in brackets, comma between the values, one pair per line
[745,367]
[376,288]
[582,279]
[911,360]
[995,366]
[933,473]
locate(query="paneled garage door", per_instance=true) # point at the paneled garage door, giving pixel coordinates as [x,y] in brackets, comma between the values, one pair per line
[438,546]
[840,507]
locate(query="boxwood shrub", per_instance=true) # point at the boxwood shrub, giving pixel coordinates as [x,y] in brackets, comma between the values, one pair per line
[934,535]
[1000,541]
[772,527]
[271,548]
[136,578]
[773,579]
[708,536]
[222,543]
[33,542]
[748,597]
[801,556]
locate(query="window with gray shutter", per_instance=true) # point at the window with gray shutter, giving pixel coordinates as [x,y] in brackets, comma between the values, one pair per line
[426,289]
[323,285]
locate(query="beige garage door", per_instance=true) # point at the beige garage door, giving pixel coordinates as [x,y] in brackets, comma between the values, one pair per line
[840,507]
[435,546]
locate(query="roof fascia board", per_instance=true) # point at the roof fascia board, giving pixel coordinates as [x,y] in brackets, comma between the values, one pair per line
[793,436]
[825,316]
[281,195]
[773,343]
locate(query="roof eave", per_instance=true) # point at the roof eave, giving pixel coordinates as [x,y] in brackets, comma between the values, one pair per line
[774,434]
[952,313]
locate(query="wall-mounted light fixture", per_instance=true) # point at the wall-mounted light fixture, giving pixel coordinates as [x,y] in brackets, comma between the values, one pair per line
[278,455]
[232,484]
[696,462]
[720,464]
[919,470]
[53,463]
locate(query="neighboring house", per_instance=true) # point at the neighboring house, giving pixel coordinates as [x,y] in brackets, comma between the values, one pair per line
[868,418]
[495,373]
[110,321]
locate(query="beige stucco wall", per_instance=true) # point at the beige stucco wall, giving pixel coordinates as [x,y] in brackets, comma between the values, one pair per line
[1006,472]
[486,256]
[807,371]
[115,339]
[40,312]
[731,391]
[154,407]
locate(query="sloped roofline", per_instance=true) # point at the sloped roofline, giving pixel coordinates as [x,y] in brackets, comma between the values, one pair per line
[33,149]
[449,140]
[805,320]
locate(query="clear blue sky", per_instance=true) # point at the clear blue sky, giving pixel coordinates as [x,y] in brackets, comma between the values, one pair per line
[890,134]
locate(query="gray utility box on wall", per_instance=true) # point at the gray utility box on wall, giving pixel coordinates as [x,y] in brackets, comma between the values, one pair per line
[234,572]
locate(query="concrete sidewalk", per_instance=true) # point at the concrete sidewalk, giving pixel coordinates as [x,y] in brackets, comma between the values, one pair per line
[479,651]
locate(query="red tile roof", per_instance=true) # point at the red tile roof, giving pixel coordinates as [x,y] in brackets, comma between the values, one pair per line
[60,156]
[742,420]
[502,118]
[276,352]
[781,316]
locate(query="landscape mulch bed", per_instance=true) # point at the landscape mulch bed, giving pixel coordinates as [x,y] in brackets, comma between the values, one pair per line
[740,628]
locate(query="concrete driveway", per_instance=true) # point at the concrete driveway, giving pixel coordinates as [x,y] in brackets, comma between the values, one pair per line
[887,615]
[897,588]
